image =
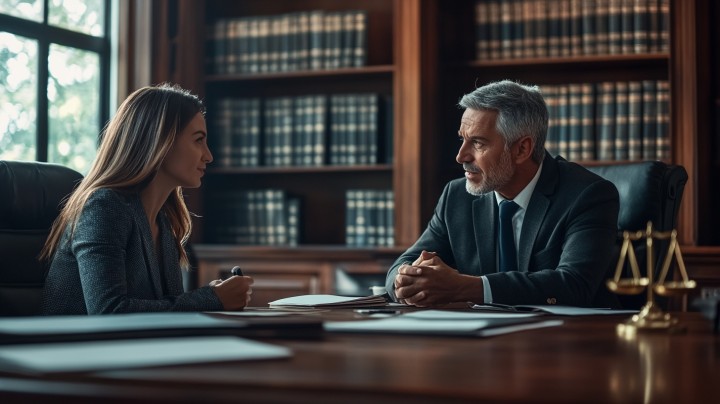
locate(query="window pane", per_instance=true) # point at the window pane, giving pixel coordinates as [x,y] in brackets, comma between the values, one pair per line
[74,106]
[86,16]
[28,9]
[18,97]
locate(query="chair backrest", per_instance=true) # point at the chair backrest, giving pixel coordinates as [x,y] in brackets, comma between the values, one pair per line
[649,191]
[30,197]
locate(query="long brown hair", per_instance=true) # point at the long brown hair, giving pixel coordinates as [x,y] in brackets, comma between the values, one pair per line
[133,145]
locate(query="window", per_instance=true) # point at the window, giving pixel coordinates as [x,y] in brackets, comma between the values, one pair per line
[54,79]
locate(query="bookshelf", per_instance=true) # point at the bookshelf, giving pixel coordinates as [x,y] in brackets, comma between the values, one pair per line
[461,68]
[423,55]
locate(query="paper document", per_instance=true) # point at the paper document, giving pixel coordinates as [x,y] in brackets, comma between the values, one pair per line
[330,301]
[552,309]
[432,322]
[134,353]
[463,315]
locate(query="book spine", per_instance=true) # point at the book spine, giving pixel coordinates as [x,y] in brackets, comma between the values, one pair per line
[347,35]
[390,218]
[575,122]
[576,27]
[589,28]
[482,31]
[518,30]
[554,28]
[269,132]
[302,42]
[352,129]
[551,141]
[293,221]
[649,119]
[317,39]
[664,17]
[563,116]
[663,119]
[540,28]
[615,26]
[601,27]
[606,121]
[641,24]
[635,120]
[495,23]
[350,217]
[621,120]
[565,28]
[318,129]
[360,48]
[587,123]
[627,27]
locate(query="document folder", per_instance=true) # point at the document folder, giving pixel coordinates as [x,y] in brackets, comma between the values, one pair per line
[19,330]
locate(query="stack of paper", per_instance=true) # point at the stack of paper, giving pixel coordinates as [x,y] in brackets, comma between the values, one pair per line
[448,323]
[552,309]
[330,301]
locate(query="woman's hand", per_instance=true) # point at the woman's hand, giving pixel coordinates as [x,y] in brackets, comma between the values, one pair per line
[233,292]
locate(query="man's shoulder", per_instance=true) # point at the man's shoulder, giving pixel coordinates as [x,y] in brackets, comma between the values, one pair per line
[574,176]
[575,171]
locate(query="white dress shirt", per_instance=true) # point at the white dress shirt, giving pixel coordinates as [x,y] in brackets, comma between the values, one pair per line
[523,200]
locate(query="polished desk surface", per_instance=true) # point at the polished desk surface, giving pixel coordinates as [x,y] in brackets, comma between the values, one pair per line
[584,360]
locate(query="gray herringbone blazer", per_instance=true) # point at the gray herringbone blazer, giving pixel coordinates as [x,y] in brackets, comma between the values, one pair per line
[566,243]
[111,266]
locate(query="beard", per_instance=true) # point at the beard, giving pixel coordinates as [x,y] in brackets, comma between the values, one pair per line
[494,178]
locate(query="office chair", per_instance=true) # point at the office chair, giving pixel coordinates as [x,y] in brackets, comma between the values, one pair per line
[649,191]
[30,197]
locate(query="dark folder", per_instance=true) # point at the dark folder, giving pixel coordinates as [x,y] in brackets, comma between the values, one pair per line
[22,330]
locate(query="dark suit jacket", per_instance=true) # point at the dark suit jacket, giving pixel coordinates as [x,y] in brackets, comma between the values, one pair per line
[566,243]
[110,265]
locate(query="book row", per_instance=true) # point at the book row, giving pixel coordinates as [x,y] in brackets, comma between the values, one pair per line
[617,121]
[369,218]
[254,217]
[507,29]
[306,40]
[308,130]
[272,217]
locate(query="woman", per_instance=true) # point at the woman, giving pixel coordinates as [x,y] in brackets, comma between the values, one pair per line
[117,246]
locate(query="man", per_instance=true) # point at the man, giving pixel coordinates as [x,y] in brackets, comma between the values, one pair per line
[556,247]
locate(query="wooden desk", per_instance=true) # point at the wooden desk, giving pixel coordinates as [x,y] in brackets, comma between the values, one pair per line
[581,361]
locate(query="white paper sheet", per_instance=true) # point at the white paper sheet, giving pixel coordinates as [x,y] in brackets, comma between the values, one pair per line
[133,353]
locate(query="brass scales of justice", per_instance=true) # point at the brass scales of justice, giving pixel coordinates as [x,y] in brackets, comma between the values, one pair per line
[651,317]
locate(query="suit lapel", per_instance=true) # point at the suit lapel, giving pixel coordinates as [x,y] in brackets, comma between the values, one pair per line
[535,214]
[485,231]
[151,263]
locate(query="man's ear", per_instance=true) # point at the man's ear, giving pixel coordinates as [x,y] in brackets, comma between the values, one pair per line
[523,149]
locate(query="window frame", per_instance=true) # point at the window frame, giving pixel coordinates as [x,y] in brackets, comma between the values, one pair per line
[46,34]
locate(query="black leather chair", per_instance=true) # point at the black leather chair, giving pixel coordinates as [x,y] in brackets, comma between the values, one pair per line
[30,198]
[649,191]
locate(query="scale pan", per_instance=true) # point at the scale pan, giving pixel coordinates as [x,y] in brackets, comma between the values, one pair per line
[674,288]
[627,286]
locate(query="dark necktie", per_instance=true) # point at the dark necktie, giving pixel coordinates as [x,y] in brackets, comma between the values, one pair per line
[508,258]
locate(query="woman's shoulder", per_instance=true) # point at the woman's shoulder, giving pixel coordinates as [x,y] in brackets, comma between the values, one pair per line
[109,199]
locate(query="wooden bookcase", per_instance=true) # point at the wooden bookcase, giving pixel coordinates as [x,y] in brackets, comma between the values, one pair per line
[422,53]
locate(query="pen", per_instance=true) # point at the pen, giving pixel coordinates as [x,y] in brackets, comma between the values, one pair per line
[495,306]
[236,270]
[376,311]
